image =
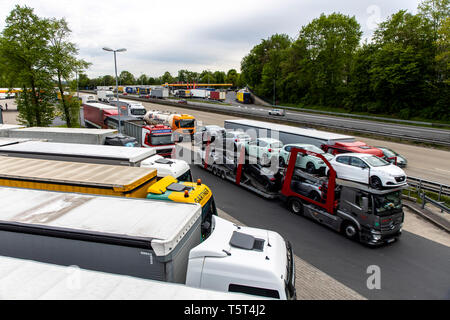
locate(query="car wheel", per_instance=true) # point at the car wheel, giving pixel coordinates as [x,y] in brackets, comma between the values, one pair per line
[350,230]
[295,206]
[310,167]
[375,182]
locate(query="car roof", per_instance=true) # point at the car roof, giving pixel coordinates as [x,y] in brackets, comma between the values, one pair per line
[300,145]
[357,155]
[269,140]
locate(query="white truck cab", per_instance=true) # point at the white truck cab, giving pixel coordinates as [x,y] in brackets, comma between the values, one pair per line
[176,168]
[244,260]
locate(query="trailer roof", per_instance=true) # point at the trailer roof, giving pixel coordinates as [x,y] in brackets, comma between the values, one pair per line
[9,141]
[83,131]
[100,105]
[161,224]
[27,279]
[318,134]
[79,150]
[121,178]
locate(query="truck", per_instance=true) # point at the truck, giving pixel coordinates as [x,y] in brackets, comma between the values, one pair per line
[95,114]
[217,95]
[69,135]
[22,279]
[89,98]
[200,93]
[244,97]
[159,93]
[105,95]
[358,211]
[147,239]
[286,134]
[99,154]
[170,189]
[130,108]
[181,124]
[80,177]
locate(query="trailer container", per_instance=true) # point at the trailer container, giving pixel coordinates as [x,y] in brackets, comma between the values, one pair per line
[70,135]
[113,155]
[148,239]
[76,177]
[95,114]
[244,97]
[22,279]
[159,93]
[217,95]
[10,141]
[286,134]
[200,93]
[6,128]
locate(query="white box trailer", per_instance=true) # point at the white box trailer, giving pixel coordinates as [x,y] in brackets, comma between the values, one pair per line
[70,135]
[200,93]
[6,128]
[144,238]
[286,134]
[101,154]
[10,141]
[159,93]
[30,280]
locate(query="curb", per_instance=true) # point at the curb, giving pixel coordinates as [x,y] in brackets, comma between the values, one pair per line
[429,216]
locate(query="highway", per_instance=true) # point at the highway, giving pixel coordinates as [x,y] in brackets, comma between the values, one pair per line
[412,268]
[426,163]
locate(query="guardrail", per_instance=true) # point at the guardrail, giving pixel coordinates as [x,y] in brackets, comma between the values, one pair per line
[437,204]
[422,184]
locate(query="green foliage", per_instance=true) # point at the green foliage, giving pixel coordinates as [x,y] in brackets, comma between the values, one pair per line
[70,110]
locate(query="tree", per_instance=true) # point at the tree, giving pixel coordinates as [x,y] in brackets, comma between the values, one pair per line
[126,78]
[219,76]
[62,64]
[23,60]
[167,78]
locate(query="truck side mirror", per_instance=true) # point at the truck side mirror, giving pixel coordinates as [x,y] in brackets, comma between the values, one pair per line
[365,204]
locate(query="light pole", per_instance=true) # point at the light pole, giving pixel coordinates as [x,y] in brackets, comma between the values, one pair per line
[117,84]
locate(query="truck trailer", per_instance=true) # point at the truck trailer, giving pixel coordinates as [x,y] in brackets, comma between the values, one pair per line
[65,176]
[105,95]
[87,153]
[217,95]
[69,135]
[144,238]
[286,134]
[159,93]
[22,279]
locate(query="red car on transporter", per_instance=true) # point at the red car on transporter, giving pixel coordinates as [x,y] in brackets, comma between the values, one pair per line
[351,147]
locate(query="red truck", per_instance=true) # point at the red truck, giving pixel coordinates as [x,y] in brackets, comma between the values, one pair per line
[95,114]
[217,95]
[351,147]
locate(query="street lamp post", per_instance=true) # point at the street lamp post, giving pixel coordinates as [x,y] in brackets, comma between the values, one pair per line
[117,84]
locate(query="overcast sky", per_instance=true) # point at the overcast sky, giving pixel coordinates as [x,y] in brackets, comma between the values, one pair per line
[196,35]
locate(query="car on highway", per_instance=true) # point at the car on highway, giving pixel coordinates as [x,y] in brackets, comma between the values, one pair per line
[368,169]
[307,162]
[227,160]
[351,147]
[233,138]
[269,179]
[390,156]
[277,112]
[263,149]
[182,101]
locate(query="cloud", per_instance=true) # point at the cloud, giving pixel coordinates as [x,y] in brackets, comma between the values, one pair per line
[195,35]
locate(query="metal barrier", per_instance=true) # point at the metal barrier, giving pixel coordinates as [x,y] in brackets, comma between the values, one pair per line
[421,184]
[440,205]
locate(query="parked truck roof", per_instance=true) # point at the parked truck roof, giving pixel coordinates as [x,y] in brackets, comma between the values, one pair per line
[22,279]
[119,178]
[35,149]
[10,141]
[317,134]
[146,223]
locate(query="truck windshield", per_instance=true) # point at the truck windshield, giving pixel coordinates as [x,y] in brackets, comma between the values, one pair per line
[208,210]
[387,204]
[187,123]
[187,176]
[161,140]
[138,112]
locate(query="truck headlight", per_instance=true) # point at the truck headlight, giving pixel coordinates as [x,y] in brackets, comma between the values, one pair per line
[376,237]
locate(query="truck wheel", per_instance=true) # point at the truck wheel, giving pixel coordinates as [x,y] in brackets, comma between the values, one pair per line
[350,230]
[310,167]
[296,206]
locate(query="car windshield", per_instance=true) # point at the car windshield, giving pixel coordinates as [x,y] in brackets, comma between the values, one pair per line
[276,145]
[313,149]
[375,161]
[162,139]
[387,203]
[138,112]
[187,123]
[389,153]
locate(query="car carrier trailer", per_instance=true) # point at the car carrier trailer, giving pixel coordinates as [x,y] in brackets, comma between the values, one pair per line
[22,279]
[143,238]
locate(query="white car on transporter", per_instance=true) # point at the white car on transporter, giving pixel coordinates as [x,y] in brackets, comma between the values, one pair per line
[368,169]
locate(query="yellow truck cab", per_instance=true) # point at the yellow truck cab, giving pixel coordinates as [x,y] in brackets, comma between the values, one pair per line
[169,189]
